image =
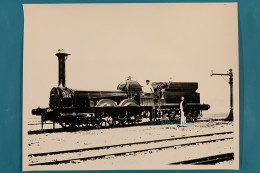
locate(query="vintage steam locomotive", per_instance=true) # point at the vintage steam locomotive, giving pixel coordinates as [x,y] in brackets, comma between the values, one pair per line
[127,105]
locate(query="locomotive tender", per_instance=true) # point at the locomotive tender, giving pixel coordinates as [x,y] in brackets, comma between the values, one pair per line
[128,105]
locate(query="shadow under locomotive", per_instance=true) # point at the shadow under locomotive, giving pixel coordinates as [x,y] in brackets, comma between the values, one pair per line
[128,105]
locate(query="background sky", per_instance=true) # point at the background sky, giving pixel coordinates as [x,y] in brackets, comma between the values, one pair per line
[109,42]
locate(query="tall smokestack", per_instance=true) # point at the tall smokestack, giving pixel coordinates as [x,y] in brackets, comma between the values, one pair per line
[62,58]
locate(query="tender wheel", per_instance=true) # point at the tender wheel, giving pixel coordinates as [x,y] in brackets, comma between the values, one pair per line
[110,121]
[84,125]
[115,122]
[98,123]
[66,124]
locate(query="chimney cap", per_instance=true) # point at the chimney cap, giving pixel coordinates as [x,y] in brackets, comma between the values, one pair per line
[62,54]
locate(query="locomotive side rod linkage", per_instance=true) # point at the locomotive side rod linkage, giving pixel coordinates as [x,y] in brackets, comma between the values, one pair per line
[230,74]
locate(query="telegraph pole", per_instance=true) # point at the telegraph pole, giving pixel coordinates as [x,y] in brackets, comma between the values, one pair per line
[230,74]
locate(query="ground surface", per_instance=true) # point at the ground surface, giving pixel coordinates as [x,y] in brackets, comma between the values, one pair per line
[48,142]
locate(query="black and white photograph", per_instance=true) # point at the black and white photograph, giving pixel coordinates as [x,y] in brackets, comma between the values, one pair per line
[130,86]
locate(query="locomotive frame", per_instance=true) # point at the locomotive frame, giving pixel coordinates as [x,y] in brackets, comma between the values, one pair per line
[128,105]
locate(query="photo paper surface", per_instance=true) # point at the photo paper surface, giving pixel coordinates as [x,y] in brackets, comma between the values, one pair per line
[135,86]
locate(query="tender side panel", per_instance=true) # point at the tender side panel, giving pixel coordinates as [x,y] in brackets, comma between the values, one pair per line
[175,97]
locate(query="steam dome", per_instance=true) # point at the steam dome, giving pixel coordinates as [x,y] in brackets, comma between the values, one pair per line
[133,85]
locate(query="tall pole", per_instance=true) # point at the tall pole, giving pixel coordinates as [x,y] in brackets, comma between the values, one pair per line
[230,74]
[230,117]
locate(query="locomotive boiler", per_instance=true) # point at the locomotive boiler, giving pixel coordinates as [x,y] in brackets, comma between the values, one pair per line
[126,105]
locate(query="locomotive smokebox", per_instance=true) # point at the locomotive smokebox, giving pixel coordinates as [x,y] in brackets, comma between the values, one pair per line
[62,58]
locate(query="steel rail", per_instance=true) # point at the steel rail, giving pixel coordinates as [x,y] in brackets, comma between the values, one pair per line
[51,130]
[210,160]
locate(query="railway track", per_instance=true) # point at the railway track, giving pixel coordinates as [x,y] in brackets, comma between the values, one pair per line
[210,160]
[56,130]
[100,152]
[42,131]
